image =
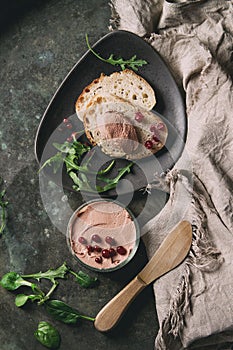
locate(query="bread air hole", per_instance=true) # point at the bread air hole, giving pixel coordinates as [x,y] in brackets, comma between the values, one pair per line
[134,97]
[144,95]
[87,90]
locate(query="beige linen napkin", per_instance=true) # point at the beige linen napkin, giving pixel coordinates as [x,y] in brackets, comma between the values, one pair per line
[194,302]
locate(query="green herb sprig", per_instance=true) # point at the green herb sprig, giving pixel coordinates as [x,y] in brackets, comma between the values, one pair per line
[51,274]
[12,281]
[46,334]
[132,62]
[71,154]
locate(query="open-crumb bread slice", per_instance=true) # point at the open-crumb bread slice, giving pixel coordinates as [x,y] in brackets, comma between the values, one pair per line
[125,84]
[123,130]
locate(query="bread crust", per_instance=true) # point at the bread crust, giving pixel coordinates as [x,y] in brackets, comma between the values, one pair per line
[126,84]
[98,99]
[87,89]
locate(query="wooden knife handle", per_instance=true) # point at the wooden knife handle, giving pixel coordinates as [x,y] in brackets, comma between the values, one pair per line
[111,313]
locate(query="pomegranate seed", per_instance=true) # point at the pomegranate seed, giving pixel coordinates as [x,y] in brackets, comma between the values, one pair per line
[121,250]
[82,240]
[90,249]
[139,116]
[99,259]
[160,126]
[106,253]
[96,238]
[112,252]
[148,144]
[110,240]
[65,120]
[69,126]
[153,128]
[69,139]
[155,138]
[97,248]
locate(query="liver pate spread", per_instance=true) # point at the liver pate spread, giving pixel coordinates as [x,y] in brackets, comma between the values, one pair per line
[102,234]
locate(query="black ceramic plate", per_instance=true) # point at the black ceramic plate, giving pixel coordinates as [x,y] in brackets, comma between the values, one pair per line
[169,104]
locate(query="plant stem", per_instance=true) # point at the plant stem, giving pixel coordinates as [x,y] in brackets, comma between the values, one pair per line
[3,220]
[54,286]
[94,53]
[88,318]
[3,205]
[106,170]
[47,296]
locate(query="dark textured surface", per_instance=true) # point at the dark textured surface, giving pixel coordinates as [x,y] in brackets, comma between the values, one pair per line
[39,44]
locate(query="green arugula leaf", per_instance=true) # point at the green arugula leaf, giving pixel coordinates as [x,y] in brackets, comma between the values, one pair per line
[56,161]
[64,147]
[51,274]
[132,62]
[81,182]
[111,183]
[70,154]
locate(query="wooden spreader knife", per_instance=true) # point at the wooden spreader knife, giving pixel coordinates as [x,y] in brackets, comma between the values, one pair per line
[170,254]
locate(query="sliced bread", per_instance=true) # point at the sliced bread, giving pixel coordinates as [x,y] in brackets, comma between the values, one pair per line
[125,84]
[123,130]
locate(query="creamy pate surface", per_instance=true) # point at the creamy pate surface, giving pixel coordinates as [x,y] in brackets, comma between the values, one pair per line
[110,225]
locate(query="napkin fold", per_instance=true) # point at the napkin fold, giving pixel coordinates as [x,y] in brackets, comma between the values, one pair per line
[195,38]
